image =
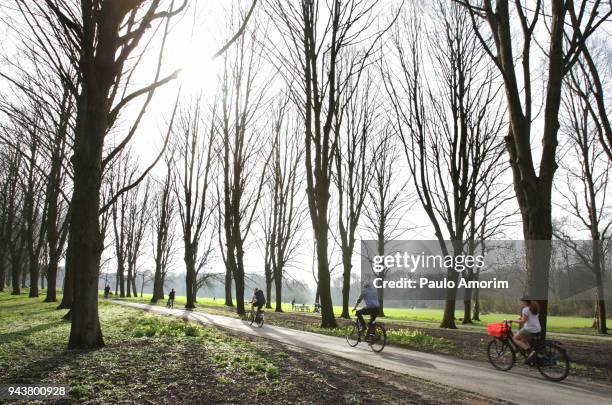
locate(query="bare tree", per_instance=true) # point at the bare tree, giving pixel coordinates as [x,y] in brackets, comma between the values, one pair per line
[586,188]
[164,236]
[194,173]
[241,147]
[593,87]
[387,198]
[13,237]
[34,206]
[357,127]
[568,26]
[122,174]
[137,222]
[282,215]
[316,36]
[449,130]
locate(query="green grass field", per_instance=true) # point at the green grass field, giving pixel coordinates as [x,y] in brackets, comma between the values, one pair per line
[559,324]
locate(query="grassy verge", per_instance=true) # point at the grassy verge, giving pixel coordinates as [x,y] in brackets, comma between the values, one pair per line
[142,351]
[412,339]
[151,359]
[428,317]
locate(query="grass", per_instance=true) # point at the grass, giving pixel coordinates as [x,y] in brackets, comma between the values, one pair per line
[166,356]
[558,324]
[412,339]
[155,359]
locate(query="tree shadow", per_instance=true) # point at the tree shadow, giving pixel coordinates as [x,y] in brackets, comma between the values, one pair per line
[12,336]
[37,371]
[17,306]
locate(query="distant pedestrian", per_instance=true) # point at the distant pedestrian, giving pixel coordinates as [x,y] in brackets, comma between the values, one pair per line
[171,296]
[106,291]
[293,304]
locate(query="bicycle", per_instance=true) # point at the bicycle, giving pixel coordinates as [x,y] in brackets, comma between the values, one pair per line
[376,338]
[254,318]
[550,358]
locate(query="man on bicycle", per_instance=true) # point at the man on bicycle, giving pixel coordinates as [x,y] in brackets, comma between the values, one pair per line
[258,300]
[372,307]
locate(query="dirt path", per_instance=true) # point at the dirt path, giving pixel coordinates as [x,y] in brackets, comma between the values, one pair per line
[518,386]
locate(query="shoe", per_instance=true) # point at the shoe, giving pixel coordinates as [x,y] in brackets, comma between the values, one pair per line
[530,359]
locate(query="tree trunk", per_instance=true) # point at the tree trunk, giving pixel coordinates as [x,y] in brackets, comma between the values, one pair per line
[2,274]
[121,279]
[228,288]
[476,297]
[24,277]
[448,319]
[268,276]
[158,285]
[467,300]
[85,242]
[239,281]
[129,282]
[346,283]
[328,319]
[190,276]
[68,290]
[34,271]
[134,289]
[278,285]
[52,279]
[16,273]
[601,303]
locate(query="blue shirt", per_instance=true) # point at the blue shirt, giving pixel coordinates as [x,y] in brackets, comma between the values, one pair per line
[370,296]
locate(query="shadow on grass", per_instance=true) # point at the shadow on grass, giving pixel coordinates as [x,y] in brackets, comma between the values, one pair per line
[12,336]
[37,371]
[18,306]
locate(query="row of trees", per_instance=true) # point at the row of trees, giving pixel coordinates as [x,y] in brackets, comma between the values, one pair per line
[438,89]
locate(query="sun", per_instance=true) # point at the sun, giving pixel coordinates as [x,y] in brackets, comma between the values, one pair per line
[192,54]
[198,70]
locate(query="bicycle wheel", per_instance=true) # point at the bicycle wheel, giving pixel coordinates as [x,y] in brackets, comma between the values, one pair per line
[251,318]
[260,320]
[378,340]
[352,335]
[501,354]
[552,362]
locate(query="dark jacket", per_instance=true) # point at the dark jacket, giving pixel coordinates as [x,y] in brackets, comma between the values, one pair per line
[260,297]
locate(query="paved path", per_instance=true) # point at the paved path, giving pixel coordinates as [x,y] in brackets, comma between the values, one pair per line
[519,386]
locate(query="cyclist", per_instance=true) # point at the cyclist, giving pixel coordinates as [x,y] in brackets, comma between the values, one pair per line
[258,300]
[372,307]
[530,324]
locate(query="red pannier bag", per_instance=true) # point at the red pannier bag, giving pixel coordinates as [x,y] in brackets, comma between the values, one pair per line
[498,330]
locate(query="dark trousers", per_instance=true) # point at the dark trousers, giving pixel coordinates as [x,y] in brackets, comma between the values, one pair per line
[373,312]
[259,306]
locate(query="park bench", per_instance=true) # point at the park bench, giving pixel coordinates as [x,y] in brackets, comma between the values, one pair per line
[302,308]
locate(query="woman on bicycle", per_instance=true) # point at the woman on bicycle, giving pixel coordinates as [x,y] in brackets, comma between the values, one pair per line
[530,324]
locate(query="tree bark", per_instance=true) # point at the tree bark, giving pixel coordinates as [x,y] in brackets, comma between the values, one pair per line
[346,283]
[229,302]
[278,285]
[190,276]
[16,273]
[34,275]
[268,276]
[328,319]
[2,274]
[68,289]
